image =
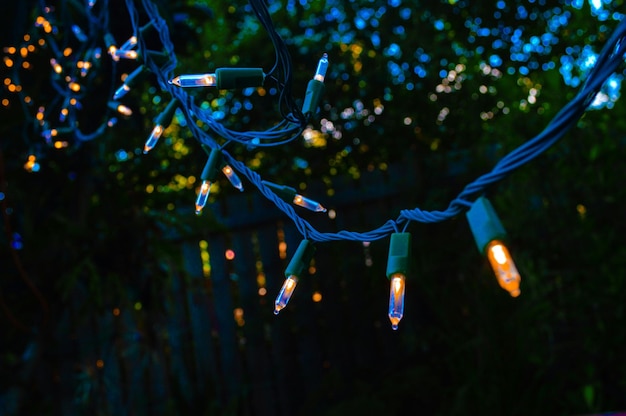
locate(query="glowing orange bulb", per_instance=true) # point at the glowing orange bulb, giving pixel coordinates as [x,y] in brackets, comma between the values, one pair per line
[74,86]
[504,267]
[396,300]
[56,66]
[122,109]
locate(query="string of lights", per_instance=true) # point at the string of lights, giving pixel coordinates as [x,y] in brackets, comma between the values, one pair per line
[215,140]
[485,225]
[71,35]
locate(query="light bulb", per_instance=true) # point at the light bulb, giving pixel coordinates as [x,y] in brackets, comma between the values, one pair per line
[74,86]
[194,80]
[203,196]
[123,110]
[120,108]
[232,177]
[56,66]
[504,267]
[109,40]
[79,33]
[322,67]
[154,137]
[126,54]
[307,203]
[129,44]
[121,91]
[396,299]
[285,293]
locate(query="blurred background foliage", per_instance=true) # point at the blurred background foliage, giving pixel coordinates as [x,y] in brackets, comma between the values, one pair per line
[449,86]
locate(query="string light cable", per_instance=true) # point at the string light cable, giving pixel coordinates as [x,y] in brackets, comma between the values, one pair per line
[484,223]
[215,137]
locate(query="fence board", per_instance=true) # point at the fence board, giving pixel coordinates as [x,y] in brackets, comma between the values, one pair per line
[179,325]
[257,355]
[230,371]
[201,322]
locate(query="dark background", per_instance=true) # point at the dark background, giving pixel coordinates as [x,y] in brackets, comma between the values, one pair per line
[106,306]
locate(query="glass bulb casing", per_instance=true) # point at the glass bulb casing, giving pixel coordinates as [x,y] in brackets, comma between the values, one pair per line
[203,196]
[126,54]
[307,203]
[504,267]
[322,68]
[232,177]
[154,137]
[396,299]
[285,293]
[194,80]
[121,91]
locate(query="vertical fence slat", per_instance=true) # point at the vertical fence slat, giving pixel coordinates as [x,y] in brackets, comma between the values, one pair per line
[204,362]
[113,399]
[178,324]
[222,297]
[133,364]
[258,366]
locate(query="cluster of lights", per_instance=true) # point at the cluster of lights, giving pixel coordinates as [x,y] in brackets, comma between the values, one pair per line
[236,78]
[484,223]
[488,233]
[70,73]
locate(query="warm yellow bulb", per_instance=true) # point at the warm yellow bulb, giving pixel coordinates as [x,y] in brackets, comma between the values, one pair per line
[203,196]
[504,267]
[285,293]
[122,109]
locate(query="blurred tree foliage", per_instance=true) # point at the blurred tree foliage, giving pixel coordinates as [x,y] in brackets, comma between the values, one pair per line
[456,85]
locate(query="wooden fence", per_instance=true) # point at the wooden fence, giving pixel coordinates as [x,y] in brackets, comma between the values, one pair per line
[220,349]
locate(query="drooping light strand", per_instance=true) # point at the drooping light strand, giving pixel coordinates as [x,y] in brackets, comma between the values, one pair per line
[489,234]
[397,269]
[298,264]
[290,127]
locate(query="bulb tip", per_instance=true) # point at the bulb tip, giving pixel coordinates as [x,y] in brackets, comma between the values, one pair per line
[198,212]
[515,293]
[276,311]
[394,327]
